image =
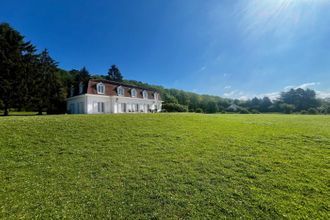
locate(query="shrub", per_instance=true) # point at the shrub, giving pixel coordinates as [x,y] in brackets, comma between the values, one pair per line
[199,110]
[304,112]
[174,107]
[287,108]
[255,111]
[244,111]
[312,111]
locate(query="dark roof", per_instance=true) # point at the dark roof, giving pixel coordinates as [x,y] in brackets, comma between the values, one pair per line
[122,84]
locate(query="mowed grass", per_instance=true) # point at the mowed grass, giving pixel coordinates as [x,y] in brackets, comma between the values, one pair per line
[160,166]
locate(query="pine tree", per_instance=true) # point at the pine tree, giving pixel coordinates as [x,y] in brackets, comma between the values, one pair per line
[15,61]
[115,74]
[46,86]
[83,76]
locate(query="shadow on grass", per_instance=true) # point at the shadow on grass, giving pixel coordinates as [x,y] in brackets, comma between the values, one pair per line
[22,114]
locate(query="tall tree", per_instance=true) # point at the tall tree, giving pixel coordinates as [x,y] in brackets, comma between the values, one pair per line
[265,104]
[83,77]
[301,99]
[114,74]
[15,55]
[46,85]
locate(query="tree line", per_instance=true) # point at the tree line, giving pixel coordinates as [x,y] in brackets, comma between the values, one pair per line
[298,100]
[31,81]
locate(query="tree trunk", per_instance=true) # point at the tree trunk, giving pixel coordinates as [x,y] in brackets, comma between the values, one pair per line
[39,111]
[5,113]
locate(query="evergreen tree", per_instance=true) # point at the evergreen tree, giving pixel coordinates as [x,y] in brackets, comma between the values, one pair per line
[114,74]
[47,87]
[265,104]
[301,99]
[83,77]
[15,55]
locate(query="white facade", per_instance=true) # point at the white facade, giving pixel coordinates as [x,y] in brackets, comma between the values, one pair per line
[102,104]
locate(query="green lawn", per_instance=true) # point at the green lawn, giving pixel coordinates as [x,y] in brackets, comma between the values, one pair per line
[159,166]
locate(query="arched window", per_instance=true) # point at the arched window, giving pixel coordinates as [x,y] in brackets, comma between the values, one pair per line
[100,88]
[81,87]
[133,93]
[145,94]
[120,91]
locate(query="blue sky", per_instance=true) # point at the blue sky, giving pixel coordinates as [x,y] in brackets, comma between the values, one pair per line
[236,49]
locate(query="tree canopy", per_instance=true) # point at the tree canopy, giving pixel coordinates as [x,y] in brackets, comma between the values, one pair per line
[114,74]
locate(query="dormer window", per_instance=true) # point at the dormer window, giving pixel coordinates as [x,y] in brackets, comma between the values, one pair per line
[100,88]
[156,96]
[120,91]
[81,87]
[133,93]
[145,94]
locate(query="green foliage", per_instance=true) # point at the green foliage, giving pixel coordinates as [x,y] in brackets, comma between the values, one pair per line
[164,166]
[174,107]
[114,74]
[304,112]
[287,108]
[301,99]
[16,58]
[46,89]
[312,111]
[244,111]
[199,110]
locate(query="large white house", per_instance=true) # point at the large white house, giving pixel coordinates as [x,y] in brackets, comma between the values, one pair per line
[104,97]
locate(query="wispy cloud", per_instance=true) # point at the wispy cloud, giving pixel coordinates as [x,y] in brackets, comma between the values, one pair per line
[202,69]
[236,94]
[303,86]
[227,87]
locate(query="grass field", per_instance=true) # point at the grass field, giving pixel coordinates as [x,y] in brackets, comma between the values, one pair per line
[158,166]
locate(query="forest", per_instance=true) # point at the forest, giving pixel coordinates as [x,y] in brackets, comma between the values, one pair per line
[32,81]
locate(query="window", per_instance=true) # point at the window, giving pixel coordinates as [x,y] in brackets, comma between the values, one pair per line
[135,107]
[100,88]
[145,94]
[71,109]
[123,107]
[81,108]
[133,92]
[120,91]
[81,87]
[100,107]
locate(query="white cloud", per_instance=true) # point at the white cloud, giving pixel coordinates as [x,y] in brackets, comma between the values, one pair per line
[302,86]
[289,87]
[271,95]
[308,85]
[323,94]
[244,97]
[227,87]
[236,94]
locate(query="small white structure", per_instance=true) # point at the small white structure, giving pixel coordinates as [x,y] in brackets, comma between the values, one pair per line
[104,97]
